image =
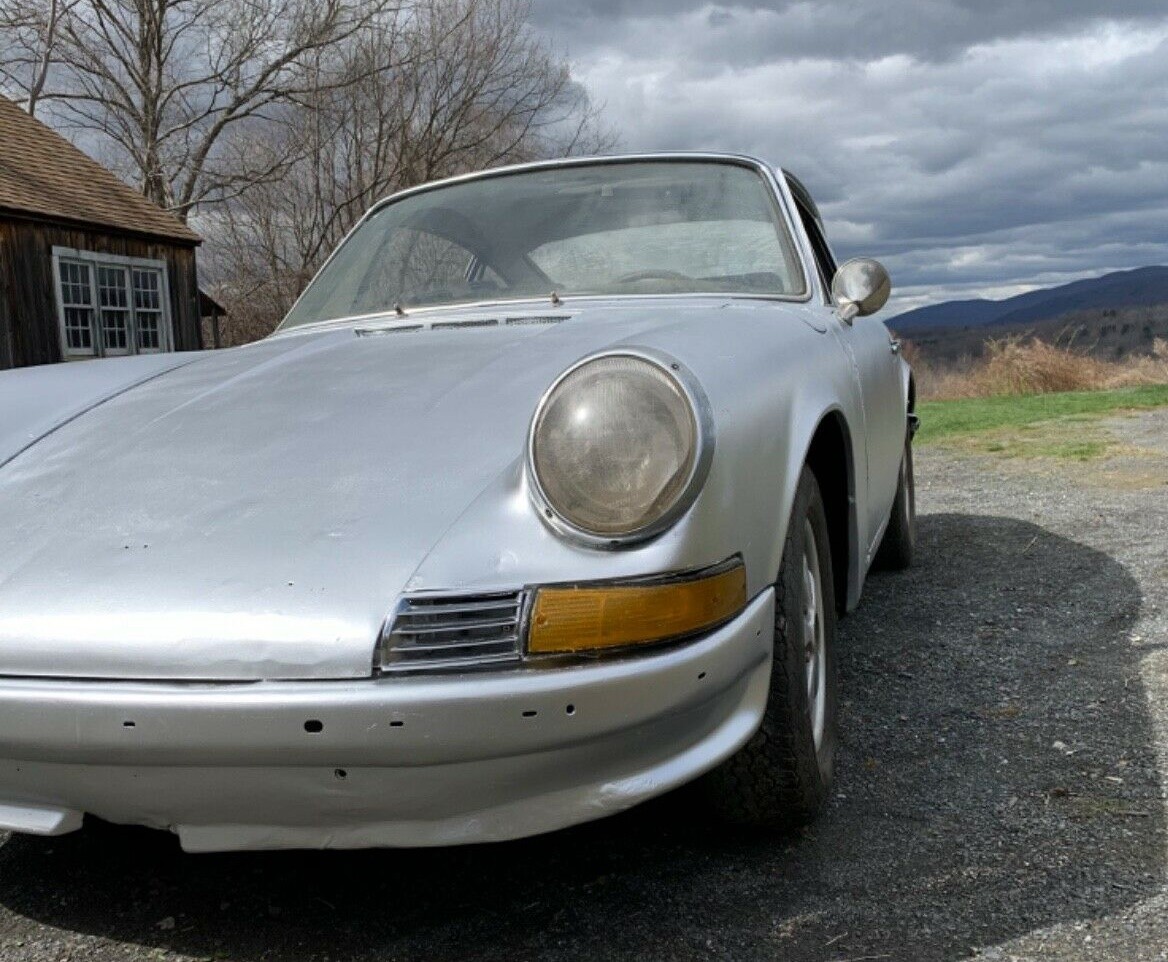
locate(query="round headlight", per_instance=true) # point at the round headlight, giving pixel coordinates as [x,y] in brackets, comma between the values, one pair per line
[618,447]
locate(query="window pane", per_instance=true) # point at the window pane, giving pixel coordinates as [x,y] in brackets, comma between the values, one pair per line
[79,328]
[115,329]
[418,266]
[147,290]
[76,303]
[741,253]
[148,331]
[111,286]
[148,308]
[115,313]
[74,283]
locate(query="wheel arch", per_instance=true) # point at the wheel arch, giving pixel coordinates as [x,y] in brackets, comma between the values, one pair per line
[831,457]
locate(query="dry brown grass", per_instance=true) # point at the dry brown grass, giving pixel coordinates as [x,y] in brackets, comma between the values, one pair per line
[1018,365]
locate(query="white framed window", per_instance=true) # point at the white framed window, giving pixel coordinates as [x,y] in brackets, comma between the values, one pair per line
[75,300]
[148,312]
[109,305]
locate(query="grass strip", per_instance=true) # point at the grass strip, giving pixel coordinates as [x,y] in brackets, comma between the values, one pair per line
[941,420]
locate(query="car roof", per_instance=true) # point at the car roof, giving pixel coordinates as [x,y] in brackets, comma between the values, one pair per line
[684,155]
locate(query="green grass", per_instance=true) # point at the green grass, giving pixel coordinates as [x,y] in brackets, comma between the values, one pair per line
[944,420]
[1056,441]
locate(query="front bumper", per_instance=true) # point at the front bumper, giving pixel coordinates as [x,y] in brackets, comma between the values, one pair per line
[381,762]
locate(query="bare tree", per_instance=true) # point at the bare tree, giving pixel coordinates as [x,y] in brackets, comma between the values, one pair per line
[165,83]
[445,87]
[30,32]
[281,121]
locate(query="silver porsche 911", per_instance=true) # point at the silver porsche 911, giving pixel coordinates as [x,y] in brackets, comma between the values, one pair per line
[543,500]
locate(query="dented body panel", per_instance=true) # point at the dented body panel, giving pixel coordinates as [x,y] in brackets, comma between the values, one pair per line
[397,762]
[198,553]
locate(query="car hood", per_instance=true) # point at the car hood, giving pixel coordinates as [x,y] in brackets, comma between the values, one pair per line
[256,512]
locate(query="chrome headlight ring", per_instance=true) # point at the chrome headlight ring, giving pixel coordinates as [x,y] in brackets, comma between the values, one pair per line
[686,491]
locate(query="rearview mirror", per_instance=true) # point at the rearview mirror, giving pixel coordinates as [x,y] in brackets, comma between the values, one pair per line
[860,287]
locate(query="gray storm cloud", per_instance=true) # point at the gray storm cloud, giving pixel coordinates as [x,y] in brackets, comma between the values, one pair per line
[976,147]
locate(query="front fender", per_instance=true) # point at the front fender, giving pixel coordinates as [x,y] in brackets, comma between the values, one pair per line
[38,400]
[769,392]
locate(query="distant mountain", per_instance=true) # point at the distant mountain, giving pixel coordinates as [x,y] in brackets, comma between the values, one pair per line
[1144,286]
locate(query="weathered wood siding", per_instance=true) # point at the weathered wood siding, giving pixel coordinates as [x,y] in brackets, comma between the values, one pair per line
[6,355]
[28,302]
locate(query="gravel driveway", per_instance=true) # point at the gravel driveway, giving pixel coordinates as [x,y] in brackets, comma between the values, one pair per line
[1005,731]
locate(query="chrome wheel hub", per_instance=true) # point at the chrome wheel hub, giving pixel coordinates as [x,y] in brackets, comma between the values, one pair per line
[814,646]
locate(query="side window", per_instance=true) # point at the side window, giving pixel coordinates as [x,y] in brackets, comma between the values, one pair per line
[823,259]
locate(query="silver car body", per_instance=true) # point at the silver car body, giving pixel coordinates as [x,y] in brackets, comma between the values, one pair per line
[198,554]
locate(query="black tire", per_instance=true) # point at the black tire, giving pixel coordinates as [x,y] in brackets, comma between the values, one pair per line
[900,537]
[780,778]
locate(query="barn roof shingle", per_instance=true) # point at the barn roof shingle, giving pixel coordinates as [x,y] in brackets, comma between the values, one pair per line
[43,175]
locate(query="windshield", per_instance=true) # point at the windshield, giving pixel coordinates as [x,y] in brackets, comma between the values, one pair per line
[656,227]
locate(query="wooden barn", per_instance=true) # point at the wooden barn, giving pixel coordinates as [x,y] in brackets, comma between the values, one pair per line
[88,266]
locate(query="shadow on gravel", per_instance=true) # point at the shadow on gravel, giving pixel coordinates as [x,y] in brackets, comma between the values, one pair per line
[992,701]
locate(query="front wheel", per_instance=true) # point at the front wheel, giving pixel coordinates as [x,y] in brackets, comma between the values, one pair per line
[782,776]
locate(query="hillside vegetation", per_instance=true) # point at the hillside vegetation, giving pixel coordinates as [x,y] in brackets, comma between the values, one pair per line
[1015,365]
[1033,399]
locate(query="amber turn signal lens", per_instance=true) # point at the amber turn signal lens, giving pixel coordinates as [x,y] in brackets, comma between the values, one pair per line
[597,617]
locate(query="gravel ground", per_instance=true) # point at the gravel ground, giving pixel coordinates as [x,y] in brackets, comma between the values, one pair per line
[1005,735]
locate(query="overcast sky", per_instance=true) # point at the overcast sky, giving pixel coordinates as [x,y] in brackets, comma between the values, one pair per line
[977,147]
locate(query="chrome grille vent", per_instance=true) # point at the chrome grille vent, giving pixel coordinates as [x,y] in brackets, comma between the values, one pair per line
[536,319]
[380,331]
[518,320]
[457,325]
[453,631]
